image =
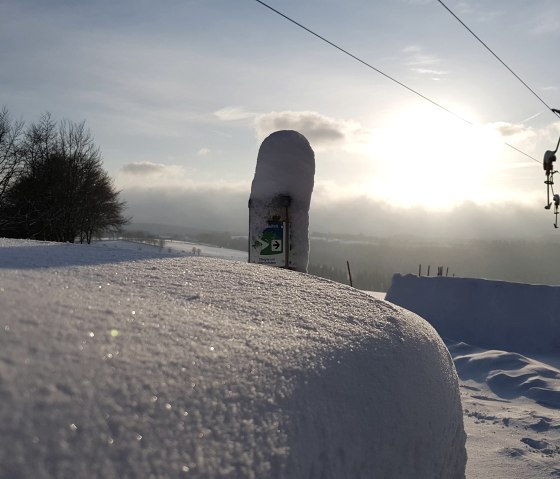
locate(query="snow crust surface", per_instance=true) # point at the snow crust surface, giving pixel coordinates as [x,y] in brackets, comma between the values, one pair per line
[122,363]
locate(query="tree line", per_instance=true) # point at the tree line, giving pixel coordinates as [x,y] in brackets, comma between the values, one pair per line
[52,183]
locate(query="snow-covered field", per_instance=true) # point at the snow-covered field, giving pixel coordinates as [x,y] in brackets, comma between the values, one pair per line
[175,248]
[127,360]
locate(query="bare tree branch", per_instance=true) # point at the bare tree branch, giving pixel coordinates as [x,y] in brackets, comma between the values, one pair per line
[61,191]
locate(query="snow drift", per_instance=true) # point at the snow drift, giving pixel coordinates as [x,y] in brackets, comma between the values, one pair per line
[490,314]
[509,375]
[163,367]
[510,405]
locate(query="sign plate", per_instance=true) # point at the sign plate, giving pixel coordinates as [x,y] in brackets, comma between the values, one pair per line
[267,244]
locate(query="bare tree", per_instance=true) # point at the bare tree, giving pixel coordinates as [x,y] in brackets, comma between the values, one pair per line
[40,140]
[10,152]
[100,207]
[62,192]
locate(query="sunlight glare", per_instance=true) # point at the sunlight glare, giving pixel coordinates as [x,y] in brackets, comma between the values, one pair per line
[427,157]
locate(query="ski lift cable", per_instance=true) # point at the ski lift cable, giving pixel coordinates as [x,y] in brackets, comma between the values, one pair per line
[554,111]
[377,70]
[346,52]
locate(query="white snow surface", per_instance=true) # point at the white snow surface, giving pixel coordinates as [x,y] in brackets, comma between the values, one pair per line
[492,314]
[511,401]
[286,166]
[116,362]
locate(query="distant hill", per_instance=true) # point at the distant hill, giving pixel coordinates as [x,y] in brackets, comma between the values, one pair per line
[165,230]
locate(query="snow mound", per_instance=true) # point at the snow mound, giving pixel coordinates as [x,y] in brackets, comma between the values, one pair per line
[172,366]
[509,375]
[285,165]
[490,314]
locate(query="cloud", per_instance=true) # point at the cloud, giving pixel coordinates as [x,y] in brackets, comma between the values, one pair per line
[516,133]
[411,49]
[467,220]
[198,207]
[421,59]
[225,209]
[550,134]
[434,74]
[427,71]
[320,130]
[143,168]
[148,176]
[509,129]
[422,63]
[203,152]
[233,113]
[526,136]
[417,57]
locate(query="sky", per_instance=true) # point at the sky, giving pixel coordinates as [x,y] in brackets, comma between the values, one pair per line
[179,96]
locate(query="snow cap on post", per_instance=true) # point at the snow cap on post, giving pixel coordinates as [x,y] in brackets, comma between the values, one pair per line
[279,201]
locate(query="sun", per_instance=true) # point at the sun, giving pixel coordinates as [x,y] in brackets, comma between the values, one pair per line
[425,156]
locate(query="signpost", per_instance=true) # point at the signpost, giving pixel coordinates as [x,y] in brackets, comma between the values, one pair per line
[279,202]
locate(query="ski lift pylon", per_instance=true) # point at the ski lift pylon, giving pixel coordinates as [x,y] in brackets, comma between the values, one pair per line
[548,166]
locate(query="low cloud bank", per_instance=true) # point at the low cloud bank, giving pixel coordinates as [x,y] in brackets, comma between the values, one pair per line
[467,220]
[225,209]
[219,210]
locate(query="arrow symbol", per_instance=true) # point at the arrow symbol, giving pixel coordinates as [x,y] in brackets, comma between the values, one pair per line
[276,245]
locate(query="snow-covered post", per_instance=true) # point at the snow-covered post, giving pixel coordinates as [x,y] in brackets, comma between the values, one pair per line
[279,201]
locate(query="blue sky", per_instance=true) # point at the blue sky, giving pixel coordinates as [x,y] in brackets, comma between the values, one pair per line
[179,95]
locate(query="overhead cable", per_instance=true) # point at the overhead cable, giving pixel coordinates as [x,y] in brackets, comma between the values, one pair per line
[363,62]
[346,52]
[556,112]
